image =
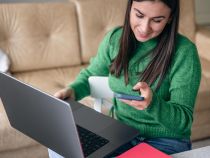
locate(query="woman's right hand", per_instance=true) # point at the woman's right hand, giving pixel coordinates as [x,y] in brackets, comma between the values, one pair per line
[65,93]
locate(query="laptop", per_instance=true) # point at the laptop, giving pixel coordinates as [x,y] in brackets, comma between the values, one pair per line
[69,128]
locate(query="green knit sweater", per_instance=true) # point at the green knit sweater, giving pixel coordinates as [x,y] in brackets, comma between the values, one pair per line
[170,114]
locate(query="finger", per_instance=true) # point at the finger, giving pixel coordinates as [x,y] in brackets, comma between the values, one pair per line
[140,105]
[140,85]
[57,95]
[132,102]
[61,94]
[125,101]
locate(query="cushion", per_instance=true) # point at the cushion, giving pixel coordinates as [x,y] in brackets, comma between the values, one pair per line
[36,35]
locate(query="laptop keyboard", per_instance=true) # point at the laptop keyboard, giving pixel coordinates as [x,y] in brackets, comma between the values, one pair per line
[90,141]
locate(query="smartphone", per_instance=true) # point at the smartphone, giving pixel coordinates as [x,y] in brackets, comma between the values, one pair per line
[128,97]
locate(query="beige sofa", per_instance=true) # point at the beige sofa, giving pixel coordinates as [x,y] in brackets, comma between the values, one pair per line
[49,43]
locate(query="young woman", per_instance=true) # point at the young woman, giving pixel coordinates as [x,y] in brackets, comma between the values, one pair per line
[149,57]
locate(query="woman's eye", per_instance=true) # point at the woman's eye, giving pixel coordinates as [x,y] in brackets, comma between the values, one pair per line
[139,16]
[156,21]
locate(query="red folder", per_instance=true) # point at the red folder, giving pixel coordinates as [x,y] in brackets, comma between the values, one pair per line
[143,150]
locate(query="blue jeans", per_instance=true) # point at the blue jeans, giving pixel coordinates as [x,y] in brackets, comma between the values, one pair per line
[166,145]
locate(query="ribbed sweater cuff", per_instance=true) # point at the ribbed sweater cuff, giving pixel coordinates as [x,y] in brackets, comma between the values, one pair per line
[78,90]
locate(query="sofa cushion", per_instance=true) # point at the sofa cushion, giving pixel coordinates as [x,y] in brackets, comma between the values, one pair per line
[36,151]
[201,118]
[203,42]
[201,126]
[50,80]
[200,132]
[205,63]
[96,23]
[203,97]
[35,35]
[187,19]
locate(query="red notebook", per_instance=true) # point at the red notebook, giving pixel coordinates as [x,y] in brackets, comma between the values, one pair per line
[143,150]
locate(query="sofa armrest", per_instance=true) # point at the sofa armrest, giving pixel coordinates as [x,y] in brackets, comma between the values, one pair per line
[202,39]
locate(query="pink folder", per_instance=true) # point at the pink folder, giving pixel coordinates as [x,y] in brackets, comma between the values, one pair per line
[143,150]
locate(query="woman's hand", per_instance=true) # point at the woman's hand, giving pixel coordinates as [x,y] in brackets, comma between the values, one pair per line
[145,91]
[65,93]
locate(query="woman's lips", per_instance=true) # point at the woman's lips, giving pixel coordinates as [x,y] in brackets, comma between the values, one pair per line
[143,36]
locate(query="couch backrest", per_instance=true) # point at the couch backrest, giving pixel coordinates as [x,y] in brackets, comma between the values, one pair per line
[187,25]
[39,36]
[96,18]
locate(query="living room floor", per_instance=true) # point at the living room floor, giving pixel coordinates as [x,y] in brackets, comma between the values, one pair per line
[201,143]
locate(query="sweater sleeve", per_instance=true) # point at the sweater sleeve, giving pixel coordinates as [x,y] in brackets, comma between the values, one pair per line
[176,114]
[99,66]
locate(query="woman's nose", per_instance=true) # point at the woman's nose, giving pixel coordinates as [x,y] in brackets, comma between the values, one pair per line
[145,27]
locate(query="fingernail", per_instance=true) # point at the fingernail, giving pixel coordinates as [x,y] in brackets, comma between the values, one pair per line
[134,87]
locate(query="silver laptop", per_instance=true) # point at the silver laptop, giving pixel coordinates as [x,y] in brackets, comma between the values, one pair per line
[68,128]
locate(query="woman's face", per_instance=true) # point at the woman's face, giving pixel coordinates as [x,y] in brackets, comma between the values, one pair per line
[148,19]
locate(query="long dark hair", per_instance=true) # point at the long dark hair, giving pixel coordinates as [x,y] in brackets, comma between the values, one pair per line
[162,53]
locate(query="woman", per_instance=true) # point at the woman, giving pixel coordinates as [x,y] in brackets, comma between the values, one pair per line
[149,57]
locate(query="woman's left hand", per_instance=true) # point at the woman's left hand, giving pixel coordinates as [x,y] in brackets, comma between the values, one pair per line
[145,91]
